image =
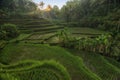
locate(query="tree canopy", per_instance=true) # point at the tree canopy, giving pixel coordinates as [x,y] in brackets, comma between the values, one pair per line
[92,13]
[17,6]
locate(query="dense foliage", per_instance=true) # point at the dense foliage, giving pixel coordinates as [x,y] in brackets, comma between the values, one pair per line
[105,44]
[102,14]
[8,31]
[16,7]
[80,52]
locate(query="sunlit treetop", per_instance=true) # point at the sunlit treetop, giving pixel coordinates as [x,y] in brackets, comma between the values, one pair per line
[59,3]
[49,7]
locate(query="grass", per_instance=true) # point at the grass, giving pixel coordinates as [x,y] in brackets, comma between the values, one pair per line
[2,44]
[80,65]
[34,22]
[30,25]
[41,36]
[20,37]
[7,77]
[42,25]
[39,27]
[114,62]
[86,30]
[13,53]
[53,40]
[84,35]
[35,70]
[43,29]
[99,65]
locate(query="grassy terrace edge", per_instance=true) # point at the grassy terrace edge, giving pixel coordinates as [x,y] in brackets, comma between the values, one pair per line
[30,65]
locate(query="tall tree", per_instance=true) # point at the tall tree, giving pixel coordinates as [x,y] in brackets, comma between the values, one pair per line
[41,4]
[55,11]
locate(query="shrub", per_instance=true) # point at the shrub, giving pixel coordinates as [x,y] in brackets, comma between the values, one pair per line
[9,31]
[105,44]
[2,35]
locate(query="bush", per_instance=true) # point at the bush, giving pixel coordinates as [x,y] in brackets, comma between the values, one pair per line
[2,35]
[101,26]
[8,31]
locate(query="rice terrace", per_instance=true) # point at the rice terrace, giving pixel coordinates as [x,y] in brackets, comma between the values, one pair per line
[59,40]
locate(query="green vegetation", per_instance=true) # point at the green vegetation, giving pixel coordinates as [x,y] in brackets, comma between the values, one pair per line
[2,44]
[8,31]
[20,37]
[99,65]
[112,61]
[16,8]
[7,77]
[101,14]
[33,25]
[35,70]
[103,44]
[80,41]
[44,52]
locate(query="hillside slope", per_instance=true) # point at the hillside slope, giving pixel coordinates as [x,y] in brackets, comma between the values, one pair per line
[87,66]
[34,70]
[13,53]
[107,69]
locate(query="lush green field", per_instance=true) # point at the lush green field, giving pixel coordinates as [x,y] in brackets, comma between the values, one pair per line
[76,40]
[87,66]
[42,36]
[74,64]
[26,70]
[107,69]
[45,26]
[85,30]
[33,45]
[21,37]
[2,44]
[32,25]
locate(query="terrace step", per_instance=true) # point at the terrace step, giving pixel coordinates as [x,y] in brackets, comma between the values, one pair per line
[36,26]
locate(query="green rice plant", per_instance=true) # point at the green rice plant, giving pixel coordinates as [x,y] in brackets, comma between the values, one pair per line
[35,70]
[106,69]
[2,44]
[6,76]
[113,61]
[14,53]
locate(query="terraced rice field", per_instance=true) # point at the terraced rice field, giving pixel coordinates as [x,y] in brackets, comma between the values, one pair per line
[29,70]
[41,36]
[32,25]
[80,65]
[45,26]
[105,68]
[33,30]
[85,32]
[2,44]
[74,65]
[44,31]
[25,60]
